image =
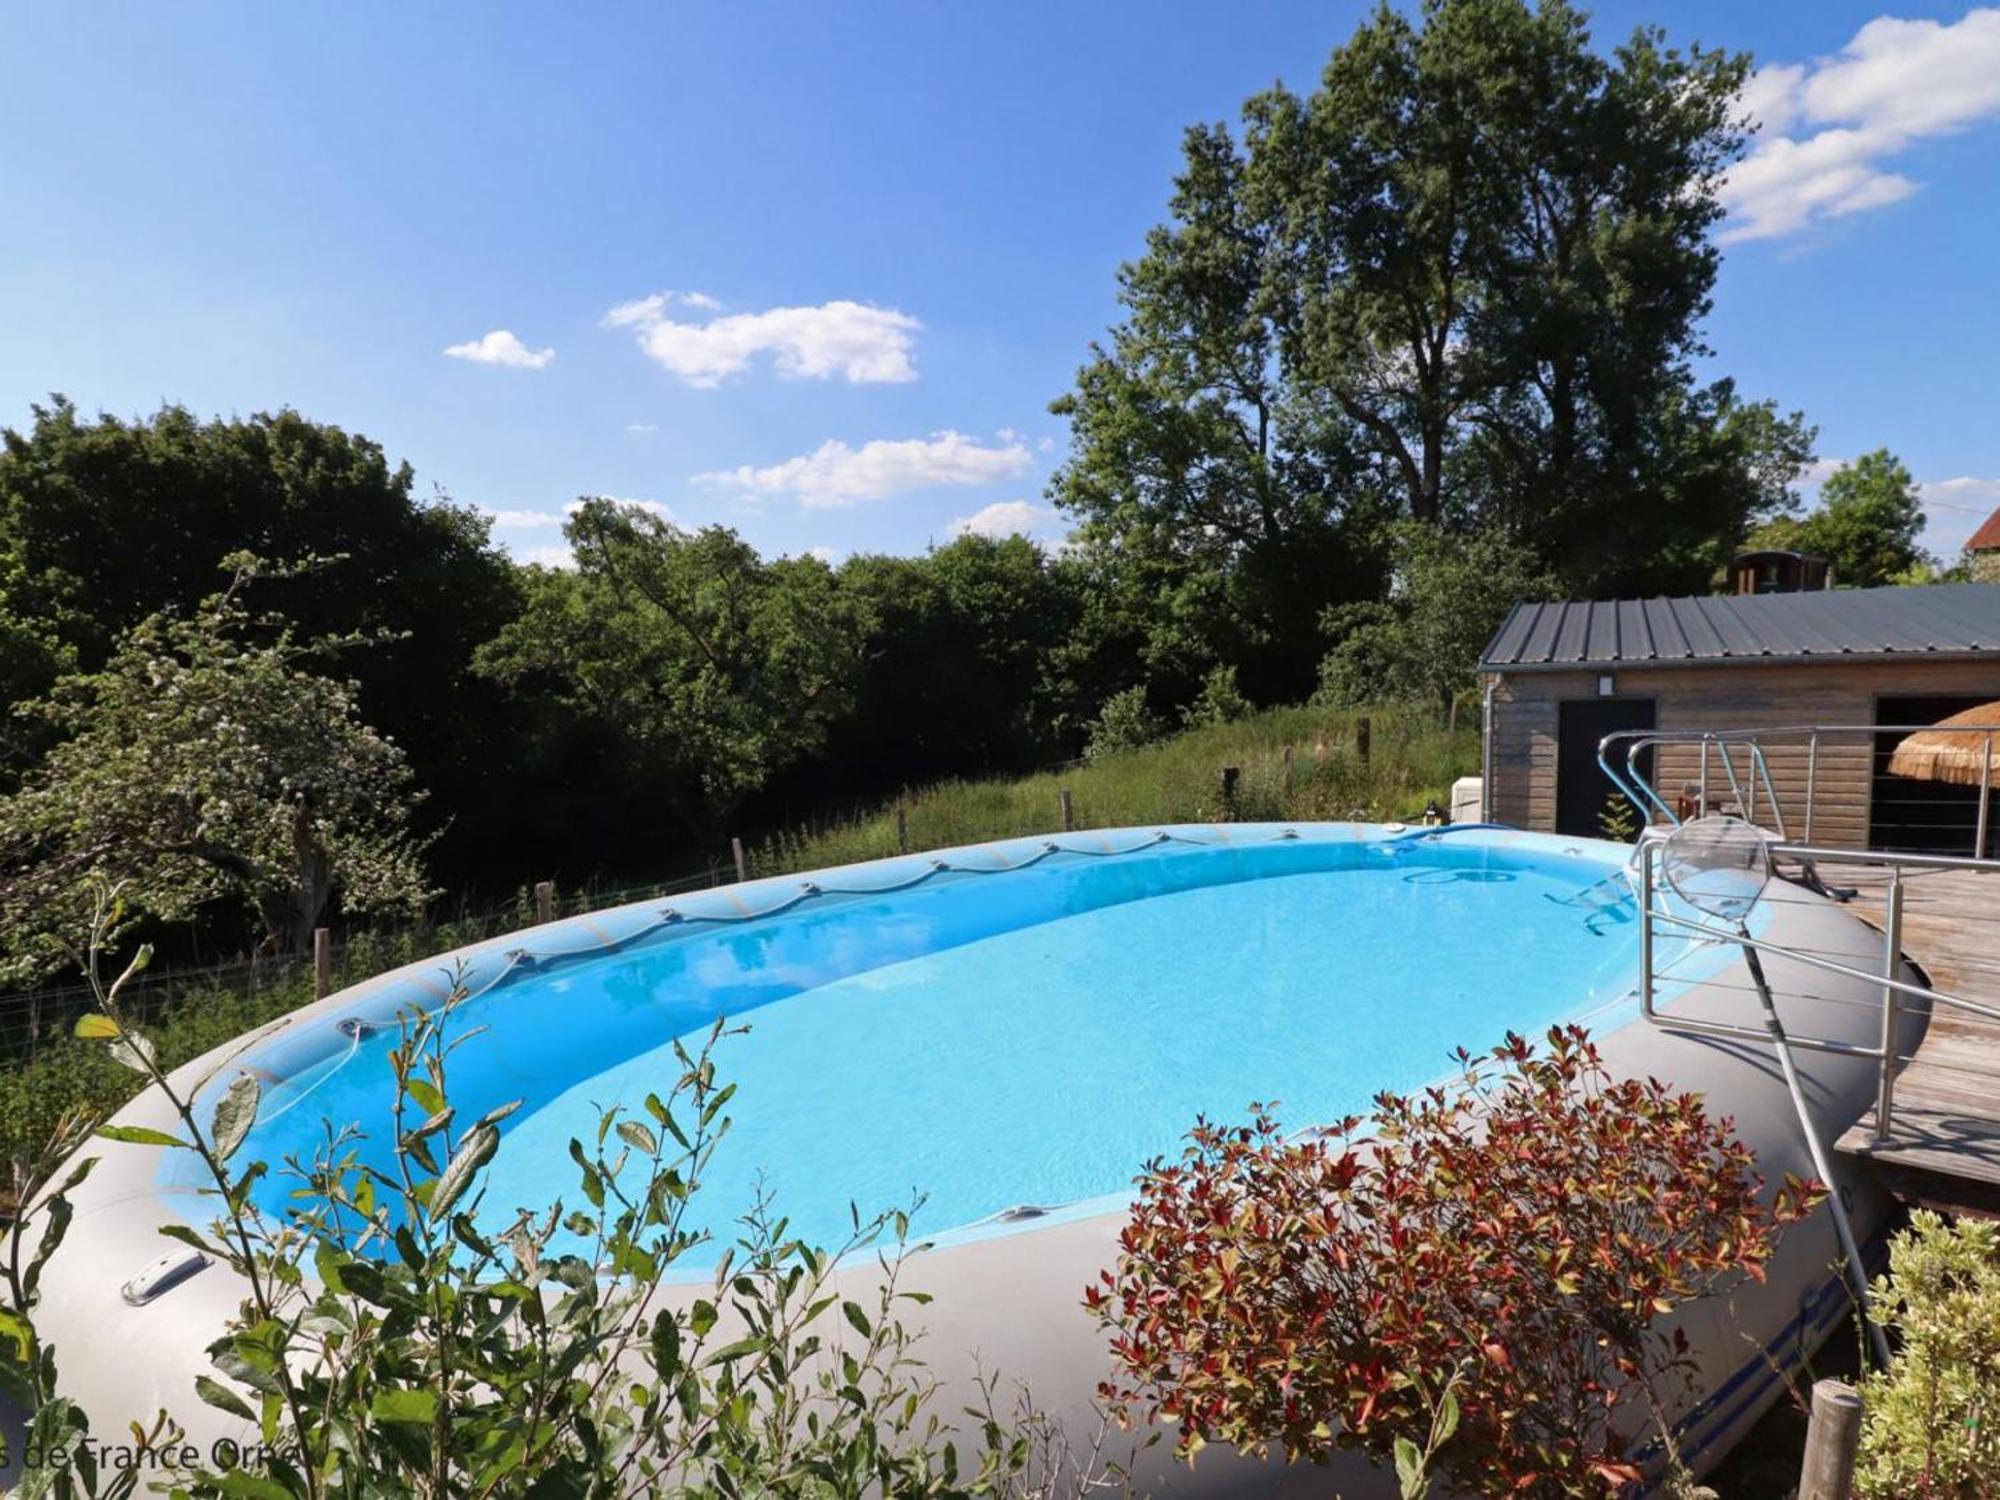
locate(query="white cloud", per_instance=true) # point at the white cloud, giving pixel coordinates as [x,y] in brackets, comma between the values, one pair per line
[861,344]
[500,347]
[835,475]
[1829,125]
[1006,518]
[527,520]
[554,556]
[1954,509]
[831,556]
[642,426]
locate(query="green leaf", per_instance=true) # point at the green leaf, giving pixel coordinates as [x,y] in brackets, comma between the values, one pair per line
[220,1396]
[854,1315]
[139,1135]
[1410,1469]
[638,1137]
[426,1094]
[404,1406]
[701,1317]
[97,1026]
[473,1153]
[1447,1422]
[235,1113]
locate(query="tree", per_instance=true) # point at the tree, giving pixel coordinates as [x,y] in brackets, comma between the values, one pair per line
[955,664]
[105,521]
[1451,592]
[1459,283]
[1866,524]
[212,755]
[717,668]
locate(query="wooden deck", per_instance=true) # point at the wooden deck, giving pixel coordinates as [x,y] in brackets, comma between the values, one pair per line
[1943,1148]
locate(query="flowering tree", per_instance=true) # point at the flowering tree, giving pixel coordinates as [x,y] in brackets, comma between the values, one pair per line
[1500,1253]
[211,756]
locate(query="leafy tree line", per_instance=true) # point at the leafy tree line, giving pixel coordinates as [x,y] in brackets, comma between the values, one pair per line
[1408,347]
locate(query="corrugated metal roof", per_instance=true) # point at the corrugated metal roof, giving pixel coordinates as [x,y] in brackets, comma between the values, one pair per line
[1938,619]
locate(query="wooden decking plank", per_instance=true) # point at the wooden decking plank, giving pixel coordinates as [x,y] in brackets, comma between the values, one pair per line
[1944,1139]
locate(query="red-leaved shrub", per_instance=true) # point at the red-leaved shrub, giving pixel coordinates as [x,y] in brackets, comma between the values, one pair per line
[1515,1239]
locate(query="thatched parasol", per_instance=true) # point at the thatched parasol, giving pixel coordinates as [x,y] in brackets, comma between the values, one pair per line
[1937,754]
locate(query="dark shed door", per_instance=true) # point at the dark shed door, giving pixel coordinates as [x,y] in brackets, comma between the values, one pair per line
[1921,817]
[1582,788]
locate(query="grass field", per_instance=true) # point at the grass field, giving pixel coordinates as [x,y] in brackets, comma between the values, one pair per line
[1413,759]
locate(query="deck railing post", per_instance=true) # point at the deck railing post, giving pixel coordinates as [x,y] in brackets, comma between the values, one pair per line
[1892,952]
[1645,929]
[1985,796]
[1833,1442]
[545,901]
[742,866]
[322,962]
[1812,778]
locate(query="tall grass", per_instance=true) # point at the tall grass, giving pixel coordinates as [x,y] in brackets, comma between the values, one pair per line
[1413,760]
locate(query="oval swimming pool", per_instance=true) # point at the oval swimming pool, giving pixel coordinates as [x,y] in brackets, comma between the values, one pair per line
[1024,1023]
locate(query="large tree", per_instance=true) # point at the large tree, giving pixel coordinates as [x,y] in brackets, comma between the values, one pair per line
[715,668]
[105,521]
[214,754]
[1866,524]
[1461,282]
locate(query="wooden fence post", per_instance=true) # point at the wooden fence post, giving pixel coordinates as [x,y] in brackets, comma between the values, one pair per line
[545,901]
[1230,776]
[1833,1439]
[1319,747]
[736,853]
[1068,810]
[1288,773]
[902,830]
[1362,730]
[322,962]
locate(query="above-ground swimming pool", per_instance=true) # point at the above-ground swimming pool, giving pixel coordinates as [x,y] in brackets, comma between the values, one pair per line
[988,1048]
[1010,1032]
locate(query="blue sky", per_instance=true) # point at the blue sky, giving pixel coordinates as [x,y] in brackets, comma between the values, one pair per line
[816,271]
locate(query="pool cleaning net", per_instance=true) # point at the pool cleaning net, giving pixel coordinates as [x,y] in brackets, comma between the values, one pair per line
[1718,865]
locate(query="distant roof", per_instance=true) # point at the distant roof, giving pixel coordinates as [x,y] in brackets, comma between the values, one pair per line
[1987,537]
[1927,620]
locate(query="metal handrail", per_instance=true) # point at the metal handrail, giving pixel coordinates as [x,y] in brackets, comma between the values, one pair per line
[1639,790]
[1885,1053]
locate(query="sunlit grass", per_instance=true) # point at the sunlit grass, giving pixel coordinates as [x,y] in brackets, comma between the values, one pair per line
[1413,760]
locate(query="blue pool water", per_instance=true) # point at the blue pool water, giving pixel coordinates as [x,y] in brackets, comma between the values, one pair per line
[984,1041]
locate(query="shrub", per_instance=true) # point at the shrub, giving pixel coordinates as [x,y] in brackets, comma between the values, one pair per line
[1124,723]
[1512,1242]
[1932,1428]
[395,1338]
[1218,702]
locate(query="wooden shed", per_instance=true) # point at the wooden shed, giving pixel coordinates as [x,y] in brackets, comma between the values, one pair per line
[1561,676]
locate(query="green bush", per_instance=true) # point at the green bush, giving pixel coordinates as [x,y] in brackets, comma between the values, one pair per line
[1218,702]
[1932,1425]
[1125,722]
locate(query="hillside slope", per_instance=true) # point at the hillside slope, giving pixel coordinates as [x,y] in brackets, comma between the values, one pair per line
[1412,760]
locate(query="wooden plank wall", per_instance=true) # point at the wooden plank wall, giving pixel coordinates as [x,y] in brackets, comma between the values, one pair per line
[1727,696]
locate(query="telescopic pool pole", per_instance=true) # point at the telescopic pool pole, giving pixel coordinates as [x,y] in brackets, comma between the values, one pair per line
[1857,1272]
